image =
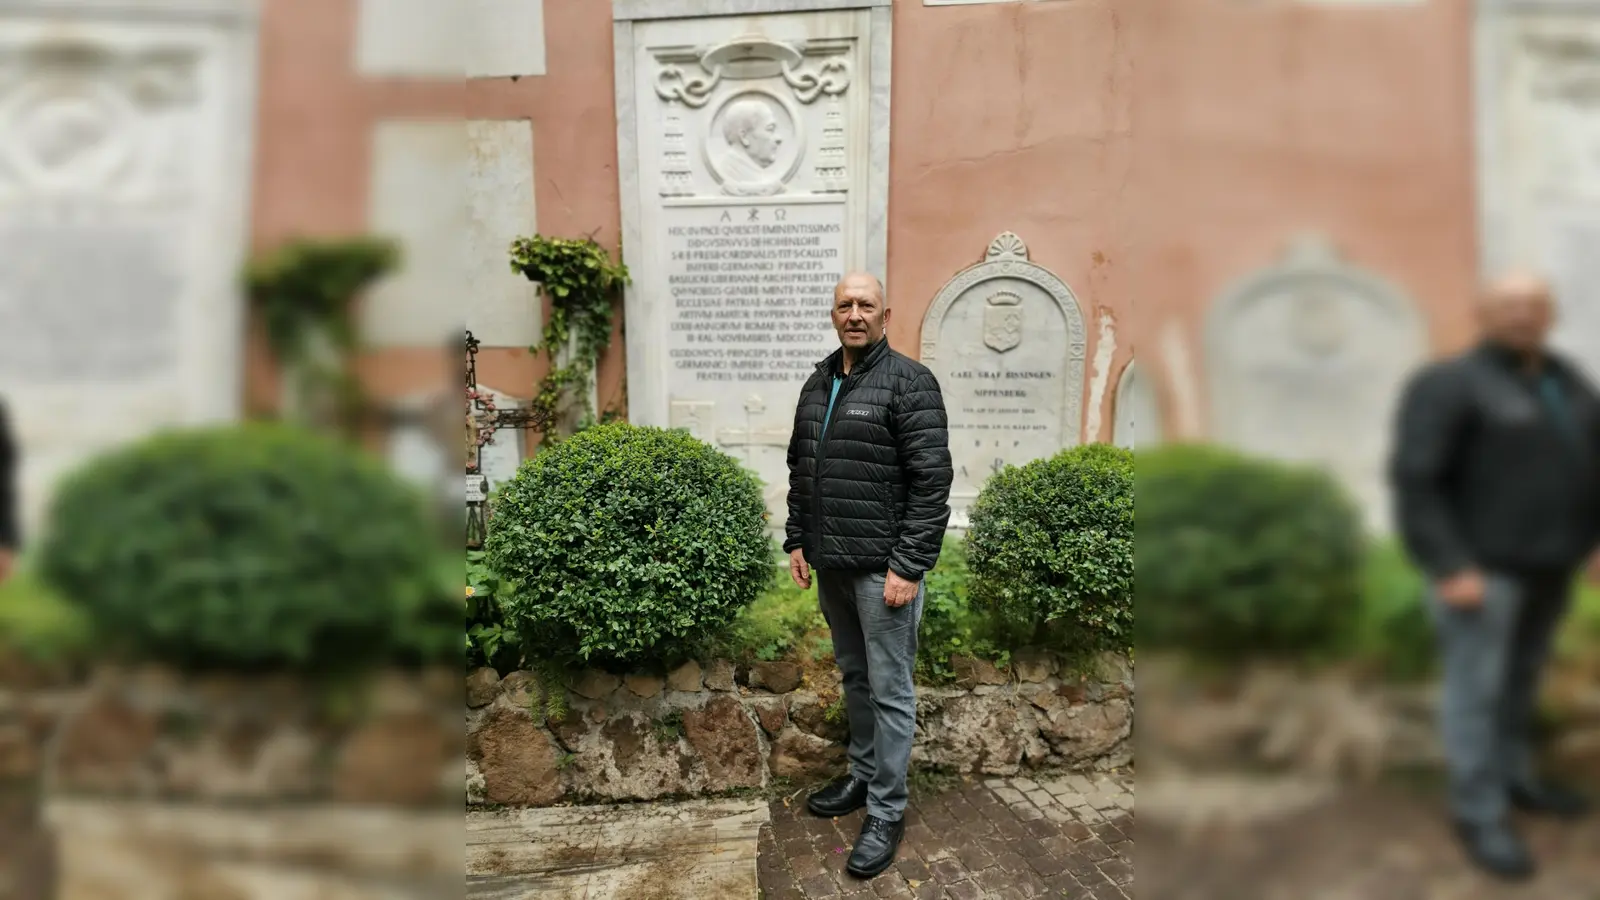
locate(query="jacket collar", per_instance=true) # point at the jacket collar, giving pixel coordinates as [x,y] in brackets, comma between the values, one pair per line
[1512,360]
[834,362]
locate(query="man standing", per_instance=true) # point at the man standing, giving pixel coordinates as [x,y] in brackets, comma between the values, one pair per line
[1497,480]
[869,491]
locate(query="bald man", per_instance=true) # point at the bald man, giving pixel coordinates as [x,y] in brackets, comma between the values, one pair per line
[1496,470]
[869,491]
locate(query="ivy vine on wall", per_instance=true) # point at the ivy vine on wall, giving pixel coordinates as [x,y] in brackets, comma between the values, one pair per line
[581,280]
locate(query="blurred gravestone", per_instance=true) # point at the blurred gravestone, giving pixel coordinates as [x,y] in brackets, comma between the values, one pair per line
[1305,361]
[124,195]
[1539,155]
[1138,416]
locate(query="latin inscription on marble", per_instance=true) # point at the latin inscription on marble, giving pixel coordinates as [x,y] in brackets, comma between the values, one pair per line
[1005,338]
[84,296]
[751,289]
[123,202]
[753,159]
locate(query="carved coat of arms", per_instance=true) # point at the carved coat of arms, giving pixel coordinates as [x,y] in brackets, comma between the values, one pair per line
[1002,321]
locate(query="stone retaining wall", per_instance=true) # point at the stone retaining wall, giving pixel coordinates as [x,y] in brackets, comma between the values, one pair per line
[142,784]
[706,730]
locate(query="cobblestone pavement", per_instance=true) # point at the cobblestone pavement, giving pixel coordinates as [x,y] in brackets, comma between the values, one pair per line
[1388,843]
[1005,839]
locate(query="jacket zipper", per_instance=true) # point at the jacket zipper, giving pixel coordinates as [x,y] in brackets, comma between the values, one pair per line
[822,453]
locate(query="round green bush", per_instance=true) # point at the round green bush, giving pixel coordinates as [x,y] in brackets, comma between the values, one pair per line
[1241,556]
[625,544]
[249,546]
[1051,550]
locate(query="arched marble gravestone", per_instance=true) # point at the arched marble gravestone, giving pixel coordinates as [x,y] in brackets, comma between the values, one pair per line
[1305,361]
[1005,338]
[1137,421]
[752,165]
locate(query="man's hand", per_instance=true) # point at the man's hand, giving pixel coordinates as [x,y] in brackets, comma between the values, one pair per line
[799,569]
[897,591]
[1464,590]
[8,563]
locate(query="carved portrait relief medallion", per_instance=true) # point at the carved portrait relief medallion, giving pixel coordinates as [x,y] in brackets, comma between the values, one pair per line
[753,147]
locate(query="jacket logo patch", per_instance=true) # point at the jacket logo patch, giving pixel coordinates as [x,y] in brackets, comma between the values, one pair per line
[858,412]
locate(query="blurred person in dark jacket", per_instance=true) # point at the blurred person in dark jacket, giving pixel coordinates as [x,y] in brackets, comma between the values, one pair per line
[9,529]
[1496,471]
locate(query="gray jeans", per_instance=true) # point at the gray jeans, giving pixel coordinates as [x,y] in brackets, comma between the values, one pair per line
[876,647]
[1494,656]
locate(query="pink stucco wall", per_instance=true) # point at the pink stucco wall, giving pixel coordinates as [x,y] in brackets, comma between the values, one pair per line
[1148,152]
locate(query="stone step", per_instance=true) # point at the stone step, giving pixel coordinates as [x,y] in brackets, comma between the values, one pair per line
[704,850]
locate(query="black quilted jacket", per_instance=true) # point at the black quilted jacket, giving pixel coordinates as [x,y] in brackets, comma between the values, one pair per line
[9,538]
[873,492]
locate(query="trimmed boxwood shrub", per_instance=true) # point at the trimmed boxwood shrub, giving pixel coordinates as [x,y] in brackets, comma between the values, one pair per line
[1051,550]
[1244,556]
[625,544]
[250,546]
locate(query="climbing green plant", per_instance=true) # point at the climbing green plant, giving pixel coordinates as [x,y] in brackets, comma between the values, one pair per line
[304,292]
[581,280]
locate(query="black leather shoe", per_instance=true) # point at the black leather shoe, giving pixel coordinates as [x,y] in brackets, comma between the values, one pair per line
[841,797]
[1550,799]
[1497,849]
[875,849]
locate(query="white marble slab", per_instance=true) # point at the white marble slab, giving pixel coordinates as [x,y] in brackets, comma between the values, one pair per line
[502,308]
[1006,339]
[505,37]
[753,157]
[421,39]
[1137,421]
[1538,114]
[124,210]
[1305,360]
[418,197]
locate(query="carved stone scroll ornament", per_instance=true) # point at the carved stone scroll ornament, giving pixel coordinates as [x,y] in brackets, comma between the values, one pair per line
[748,58]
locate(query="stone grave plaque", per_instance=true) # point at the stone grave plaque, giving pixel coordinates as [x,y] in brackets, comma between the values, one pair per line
[753,160]
[1137,421]
[124,189]
[1005,338]
[1306,360]
[1539,156]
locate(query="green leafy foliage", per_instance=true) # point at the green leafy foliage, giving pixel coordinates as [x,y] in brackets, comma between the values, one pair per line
[1240,556]
[951,625]
[1051,550]
[304,293]
[1394,634]
[309,285]
[490,641]
[627,545]
[1580,639]
[247,547]
[778,622]
[582,282]
[38,623]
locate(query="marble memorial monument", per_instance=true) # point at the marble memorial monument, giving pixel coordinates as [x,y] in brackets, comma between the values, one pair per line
[1306,360]
[1005,338]
[753,156]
